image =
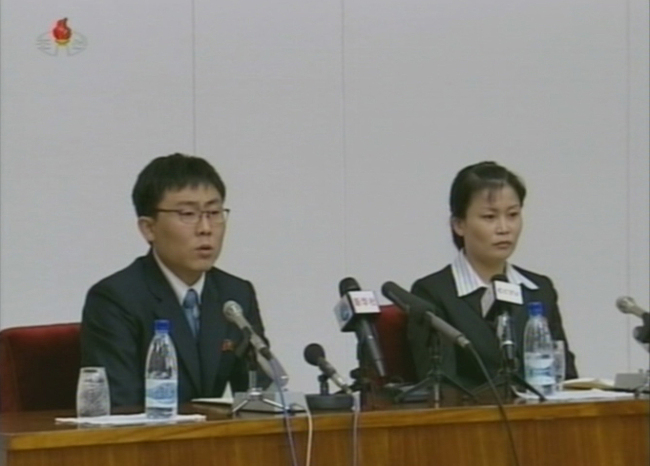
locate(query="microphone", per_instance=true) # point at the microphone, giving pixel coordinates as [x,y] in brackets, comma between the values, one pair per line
[354,313]
[497,298]
[315,355]
[420,308]
[234,313]
[504,333]
[500,292]
[627,305]
[348,284]
[265,359]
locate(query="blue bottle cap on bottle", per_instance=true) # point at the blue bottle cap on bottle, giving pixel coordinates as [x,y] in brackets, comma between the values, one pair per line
[161,326]
[535,309]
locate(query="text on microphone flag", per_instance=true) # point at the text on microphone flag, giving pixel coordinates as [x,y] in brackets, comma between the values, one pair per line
[509,292]
[364,302]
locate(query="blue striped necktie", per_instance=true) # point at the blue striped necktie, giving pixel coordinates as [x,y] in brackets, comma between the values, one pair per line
[191,308]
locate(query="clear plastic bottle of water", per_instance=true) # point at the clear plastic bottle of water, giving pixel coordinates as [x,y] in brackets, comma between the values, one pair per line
[538,351]
[161,374]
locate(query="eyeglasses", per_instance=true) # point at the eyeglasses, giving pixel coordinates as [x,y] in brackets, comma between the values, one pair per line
[194,216]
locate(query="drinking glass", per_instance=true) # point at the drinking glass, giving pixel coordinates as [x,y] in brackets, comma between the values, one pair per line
[93,397]
[559,363]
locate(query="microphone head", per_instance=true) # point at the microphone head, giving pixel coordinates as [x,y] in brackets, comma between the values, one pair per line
[348,284]
[625,304]
[313,352]
[232,310]
[396,294]
[413,305]
[387,288]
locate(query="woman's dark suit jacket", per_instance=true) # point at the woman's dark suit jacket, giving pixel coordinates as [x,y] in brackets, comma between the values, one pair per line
[464,313]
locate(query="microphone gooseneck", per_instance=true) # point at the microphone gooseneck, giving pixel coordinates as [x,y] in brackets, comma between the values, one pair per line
[417,306]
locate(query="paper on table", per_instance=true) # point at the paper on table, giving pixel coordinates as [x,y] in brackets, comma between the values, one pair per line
[588,382]
[579,395]
[226,401]
[129,419]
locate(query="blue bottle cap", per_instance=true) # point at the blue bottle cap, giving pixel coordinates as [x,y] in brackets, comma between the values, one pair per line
[535,309]
[161,326]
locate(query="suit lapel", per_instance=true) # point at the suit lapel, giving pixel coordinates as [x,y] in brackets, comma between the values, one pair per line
[213,331]
[170,309]
[470,321]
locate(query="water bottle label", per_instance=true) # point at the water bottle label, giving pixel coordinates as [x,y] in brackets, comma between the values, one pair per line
[161,393]
[539,371]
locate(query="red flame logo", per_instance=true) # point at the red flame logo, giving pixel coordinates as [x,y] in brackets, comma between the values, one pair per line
[62,32]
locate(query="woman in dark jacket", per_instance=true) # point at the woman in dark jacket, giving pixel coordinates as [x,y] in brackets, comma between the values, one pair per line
[486,202]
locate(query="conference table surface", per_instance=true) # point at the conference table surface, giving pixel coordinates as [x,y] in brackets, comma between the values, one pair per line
[577,433]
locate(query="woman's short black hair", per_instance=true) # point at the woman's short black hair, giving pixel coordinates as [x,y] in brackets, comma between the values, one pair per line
[172,173]
[474,179]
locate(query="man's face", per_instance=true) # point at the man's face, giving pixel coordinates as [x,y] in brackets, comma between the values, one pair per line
[188,244]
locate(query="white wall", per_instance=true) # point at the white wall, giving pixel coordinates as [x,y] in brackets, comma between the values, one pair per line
[337,127]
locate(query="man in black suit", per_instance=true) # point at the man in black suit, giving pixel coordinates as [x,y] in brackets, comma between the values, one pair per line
[179,201]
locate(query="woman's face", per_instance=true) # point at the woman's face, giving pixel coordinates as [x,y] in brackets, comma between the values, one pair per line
[491,225]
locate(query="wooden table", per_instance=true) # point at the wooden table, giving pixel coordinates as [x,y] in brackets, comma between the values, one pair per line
[597,433]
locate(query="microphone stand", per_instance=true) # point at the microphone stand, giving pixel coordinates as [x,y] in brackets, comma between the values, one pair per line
[642,332]
[326,401]
[367,378]
[508,376]
[436,377]
[254,393]
[637,382]
[642,335]
[323,387]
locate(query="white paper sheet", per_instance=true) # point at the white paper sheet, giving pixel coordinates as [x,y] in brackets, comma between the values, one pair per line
[129,419]
[580,395]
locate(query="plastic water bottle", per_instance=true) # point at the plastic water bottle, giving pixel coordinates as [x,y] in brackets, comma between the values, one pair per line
[538,351]
[161,374]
